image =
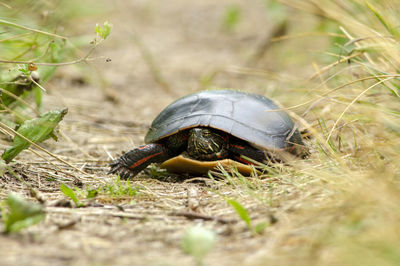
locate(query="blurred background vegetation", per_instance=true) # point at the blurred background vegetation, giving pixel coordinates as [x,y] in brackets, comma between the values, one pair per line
[32,36]
[333,64]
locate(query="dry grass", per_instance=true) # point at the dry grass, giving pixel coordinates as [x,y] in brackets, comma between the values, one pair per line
[356,222]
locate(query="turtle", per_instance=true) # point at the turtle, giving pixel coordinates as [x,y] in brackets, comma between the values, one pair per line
[213,125]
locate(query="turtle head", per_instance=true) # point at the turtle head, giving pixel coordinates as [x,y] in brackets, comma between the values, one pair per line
[206,144]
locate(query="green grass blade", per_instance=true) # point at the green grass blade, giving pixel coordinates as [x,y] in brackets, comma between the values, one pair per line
[241,211]
[380,18]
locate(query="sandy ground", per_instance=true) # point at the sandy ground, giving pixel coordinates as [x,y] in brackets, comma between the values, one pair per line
[159,52]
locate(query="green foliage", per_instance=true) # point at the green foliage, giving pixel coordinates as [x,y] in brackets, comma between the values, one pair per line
[91,193]
[392,30]
[241,211]
[232,17]
[30,54]
[20,213]
[15,83]
[118,188]
[198,242]
[244,215]
[260,227]
[35,130]
[70,193]
[104,31]
[115,189]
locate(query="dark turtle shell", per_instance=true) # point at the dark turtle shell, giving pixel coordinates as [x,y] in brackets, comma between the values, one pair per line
[244,115]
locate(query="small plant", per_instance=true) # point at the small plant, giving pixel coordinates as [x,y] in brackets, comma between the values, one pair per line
[104,32]
[35,62]
[18,213]
[34,130]
[244,215]
[70,193]
[198,242]
[91,193]
[118,188]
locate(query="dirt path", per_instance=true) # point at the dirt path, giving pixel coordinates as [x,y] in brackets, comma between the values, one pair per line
[159,52]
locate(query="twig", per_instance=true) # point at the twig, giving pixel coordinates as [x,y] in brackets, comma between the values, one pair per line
[356,44]
[194,215]
[37,84]
[15,37]
[102,212]
[19,99]
[7,23]
[326,68]
[82,59]
[306,34]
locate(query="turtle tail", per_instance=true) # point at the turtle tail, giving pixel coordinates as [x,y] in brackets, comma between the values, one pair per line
[134,161]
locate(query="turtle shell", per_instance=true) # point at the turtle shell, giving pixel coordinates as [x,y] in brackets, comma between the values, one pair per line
[247,116]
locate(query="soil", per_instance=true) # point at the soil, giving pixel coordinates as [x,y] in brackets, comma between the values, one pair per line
[158,53]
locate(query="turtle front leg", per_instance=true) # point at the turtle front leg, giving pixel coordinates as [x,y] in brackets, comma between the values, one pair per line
[134,161]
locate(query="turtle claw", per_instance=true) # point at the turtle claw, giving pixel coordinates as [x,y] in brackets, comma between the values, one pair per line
[125,173]
[117,167]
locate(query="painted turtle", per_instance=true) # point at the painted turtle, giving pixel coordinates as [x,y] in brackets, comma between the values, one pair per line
[212,125]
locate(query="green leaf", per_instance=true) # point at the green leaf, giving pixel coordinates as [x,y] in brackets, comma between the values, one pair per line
[241,211]
[105,31]
[24,70]
[260,227]
[20,114]
[16,85]
[21,214]
[57,50]
[36,130]
[38,96]
[92,193]
[70,193]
